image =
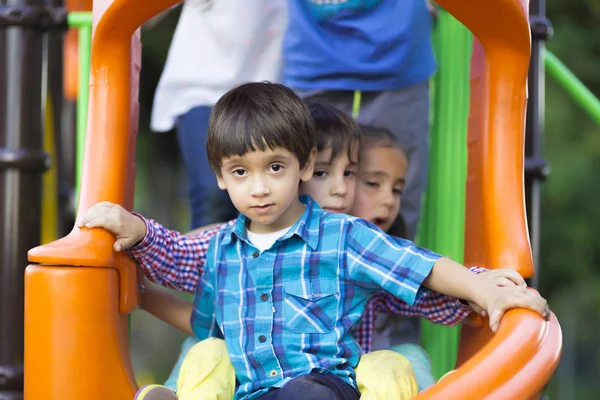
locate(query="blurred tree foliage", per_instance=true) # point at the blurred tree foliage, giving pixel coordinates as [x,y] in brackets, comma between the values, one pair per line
[570,248]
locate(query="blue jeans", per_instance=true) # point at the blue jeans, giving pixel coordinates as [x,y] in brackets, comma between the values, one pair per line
[208,203]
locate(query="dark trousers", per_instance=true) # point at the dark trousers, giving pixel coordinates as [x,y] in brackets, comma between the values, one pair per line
[314,387]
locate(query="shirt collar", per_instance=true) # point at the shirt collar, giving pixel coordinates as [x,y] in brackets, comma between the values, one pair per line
[307,226]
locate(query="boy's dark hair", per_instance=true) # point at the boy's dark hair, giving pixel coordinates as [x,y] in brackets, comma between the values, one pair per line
[373,136]
[256,117]
[334,129]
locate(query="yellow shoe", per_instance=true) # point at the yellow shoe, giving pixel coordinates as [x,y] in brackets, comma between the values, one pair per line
[155,392]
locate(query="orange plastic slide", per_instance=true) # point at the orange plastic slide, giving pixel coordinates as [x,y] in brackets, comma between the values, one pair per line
[79,292]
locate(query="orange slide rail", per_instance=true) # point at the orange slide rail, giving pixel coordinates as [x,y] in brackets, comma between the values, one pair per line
[80,292]
[520,358]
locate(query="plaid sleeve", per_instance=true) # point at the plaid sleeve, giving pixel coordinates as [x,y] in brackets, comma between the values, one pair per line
[364,332]
[435,307]
[376,260]
[171,259]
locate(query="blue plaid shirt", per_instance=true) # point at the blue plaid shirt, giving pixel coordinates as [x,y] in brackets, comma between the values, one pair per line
[289,310]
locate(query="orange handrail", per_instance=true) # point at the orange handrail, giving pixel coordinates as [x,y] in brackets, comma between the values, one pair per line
[108,170]
[76,341]
[516,362]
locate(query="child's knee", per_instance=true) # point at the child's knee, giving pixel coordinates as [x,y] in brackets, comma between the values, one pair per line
[210,351]
[385,375]
[206,371]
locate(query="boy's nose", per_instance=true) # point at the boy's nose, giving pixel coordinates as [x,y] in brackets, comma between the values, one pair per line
[339,187]
[259,188]
[388,199]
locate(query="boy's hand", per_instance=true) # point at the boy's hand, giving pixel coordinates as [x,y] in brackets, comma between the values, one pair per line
[499,299]
[503,277]
[127,228]
[499,277]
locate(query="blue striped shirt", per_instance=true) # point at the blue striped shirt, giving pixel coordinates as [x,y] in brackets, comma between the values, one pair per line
[289,310]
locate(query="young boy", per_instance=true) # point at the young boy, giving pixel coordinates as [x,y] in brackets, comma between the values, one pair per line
[332,186]
[288,281]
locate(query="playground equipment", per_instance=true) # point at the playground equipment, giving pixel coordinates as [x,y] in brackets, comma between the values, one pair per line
[76,317]
[78,296]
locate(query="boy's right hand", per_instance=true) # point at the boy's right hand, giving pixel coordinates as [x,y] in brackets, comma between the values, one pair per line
[127,228]
[499,277]
[497,300]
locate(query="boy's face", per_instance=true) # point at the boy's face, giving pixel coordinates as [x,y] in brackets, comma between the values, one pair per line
[263,185]
[333,184]
[380,183]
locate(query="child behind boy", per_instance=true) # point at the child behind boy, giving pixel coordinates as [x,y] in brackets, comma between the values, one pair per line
[287,282]
[380,182]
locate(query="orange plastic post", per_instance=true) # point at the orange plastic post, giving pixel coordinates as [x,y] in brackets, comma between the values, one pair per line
[76,342]
[77,299]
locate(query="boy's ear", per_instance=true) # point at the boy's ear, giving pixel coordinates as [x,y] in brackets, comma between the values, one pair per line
[221,183]
[309,166]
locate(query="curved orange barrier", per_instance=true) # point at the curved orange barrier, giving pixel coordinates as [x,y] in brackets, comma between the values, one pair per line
[75,330]
[519,359]
[76,308]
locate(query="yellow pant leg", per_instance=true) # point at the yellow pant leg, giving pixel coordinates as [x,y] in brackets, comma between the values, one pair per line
[207,373]
[383,375]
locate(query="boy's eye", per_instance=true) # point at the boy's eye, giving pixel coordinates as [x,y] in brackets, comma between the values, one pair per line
[397,192]
[276,167]
[320,174]
[372,184]
[349,174]
[239,172]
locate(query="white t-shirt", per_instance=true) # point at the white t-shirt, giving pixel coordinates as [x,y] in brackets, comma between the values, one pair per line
[263,241]
[218,44]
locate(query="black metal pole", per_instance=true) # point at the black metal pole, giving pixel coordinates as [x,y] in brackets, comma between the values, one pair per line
[536,168]
[22,163]
[54,78]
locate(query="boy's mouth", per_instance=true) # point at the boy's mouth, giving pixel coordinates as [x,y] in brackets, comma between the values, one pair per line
[262,207]
[380,221]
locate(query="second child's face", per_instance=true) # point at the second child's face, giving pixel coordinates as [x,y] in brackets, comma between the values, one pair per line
[381,179]
[263,185]
[333,184]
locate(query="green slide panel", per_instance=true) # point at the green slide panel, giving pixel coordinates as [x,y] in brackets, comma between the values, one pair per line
[443,220]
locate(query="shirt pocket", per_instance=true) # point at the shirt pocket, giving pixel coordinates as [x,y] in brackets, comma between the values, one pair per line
[311,310]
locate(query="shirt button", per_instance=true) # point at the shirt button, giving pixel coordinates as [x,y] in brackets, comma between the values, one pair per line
[273,373]
[262,338]
[264,297]
[255,254]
